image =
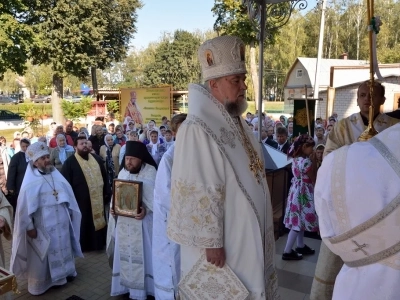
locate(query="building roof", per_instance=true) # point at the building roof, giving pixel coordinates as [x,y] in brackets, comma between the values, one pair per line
[357,83]
[309,64]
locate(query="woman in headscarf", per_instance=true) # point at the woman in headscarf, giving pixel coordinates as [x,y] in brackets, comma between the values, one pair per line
[109,152]
[60,153]
[283,120]
[85,131]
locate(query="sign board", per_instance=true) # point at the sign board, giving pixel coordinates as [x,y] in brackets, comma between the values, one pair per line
[145,104]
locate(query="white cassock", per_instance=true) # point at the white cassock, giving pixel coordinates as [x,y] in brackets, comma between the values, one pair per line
[345,132]
[166,253]
[132,266]
[357,198]
[217,200]
[6,212]
[47,260]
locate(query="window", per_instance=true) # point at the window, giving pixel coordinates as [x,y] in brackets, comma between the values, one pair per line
[299,73]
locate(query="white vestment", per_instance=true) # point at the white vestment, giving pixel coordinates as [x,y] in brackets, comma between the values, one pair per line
[166,254]
[356,194]
[348,130]
[48,259]
[6,212]
[132,268]
[218,201]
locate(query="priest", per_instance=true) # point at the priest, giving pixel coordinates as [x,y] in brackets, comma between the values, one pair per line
[166,253]
[219,190]
[47,222]
[86,174]
[346,132]
[129,239]
[358,205]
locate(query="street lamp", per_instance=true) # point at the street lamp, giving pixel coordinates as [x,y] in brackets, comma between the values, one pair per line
[278,13]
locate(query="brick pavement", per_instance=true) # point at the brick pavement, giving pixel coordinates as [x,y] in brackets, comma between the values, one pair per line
[94,276]
[92,283]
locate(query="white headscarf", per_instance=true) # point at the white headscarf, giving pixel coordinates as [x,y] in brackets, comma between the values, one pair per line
[63,150]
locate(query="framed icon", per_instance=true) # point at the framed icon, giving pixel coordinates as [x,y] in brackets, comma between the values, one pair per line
[127,197]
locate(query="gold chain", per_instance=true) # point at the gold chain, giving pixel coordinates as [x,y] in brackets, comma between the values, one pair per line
[256,166]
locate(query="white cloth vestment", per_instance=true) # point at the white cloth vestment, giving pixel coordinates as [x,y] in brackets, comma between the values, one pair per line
[132,268]
[166,253]
[220,198]
[356,195]
[47,260]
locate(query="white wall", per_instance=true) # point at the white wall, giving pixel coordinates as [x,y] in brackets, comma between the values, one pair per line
[346,98]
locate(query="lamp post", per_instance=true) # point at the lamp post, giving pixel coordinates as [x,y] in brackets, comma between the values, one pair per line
[277,13]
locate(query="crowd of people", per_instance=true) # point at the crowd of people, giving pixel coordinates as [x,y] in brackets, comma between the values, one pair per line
[203,220]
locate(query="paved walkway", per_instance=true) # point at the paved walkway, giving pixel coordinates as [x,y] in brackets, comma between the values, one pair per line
[94,276]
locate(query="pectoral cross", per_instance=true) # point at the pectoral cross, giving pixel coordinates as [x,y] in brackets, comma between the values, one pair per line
[255,167]
[360,248]
[55,194]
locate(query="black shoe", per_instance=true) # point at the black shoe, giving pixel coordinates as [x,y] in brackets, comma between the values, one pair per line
[70,278]
[305,250]
[292,256]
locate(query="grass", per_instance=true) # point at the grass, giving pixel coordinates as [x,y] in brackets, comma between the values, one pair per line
[9,134]
[46,108]
[269,106]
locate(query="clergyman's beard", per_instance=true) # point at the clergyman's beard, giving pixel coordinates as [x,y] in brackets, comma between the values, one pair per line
[236,108]
[47,169]
[134,170]
[83,153]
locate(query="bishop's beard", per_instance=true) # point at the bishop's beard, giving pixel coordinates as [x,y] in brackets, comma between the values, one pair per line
[236,108]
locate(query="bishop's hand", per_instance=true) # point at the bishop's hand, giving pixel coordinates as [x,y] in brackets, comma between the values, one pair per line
[216,256]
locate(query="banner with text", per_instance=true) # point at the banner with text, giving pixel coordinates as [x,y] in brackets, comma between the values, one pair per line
[145,104]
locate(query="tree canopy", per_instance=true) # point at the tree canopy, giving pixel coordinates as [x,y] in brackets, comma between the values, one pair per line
[15,37]
[175,62]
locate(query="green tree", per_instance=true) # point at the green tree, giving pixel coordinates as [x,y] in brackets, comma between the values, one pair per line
[75,111]
[15,37]
[38,79]
[232,19]
[175,62]
[76,35]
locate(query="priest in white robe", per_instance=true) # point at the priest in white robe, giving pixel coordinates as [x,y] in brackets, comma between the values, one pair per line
[357,198]
[47,225]
[346,132]
[220,203]
[6,228]
[129,239]
[166,253]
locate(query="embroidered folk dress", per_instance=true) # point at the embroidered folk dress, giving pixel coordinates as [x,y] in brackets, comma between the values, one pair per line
[355,185]
[300,212]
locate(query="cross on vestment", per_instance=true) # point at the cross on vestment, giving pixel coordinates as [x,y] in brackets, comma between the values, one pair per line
[360,248]
[55,194]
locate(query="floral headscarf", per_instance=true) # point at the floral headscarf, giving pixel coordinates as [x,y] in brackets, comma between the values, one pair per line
[301,140]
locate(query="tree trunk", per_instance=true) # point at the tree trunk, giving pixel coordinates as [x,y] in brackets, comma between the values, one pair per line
[56,97]
[254,72]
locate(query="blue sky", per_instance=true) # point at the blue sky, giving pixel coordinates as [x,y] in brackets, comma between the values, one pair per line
[158,16]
